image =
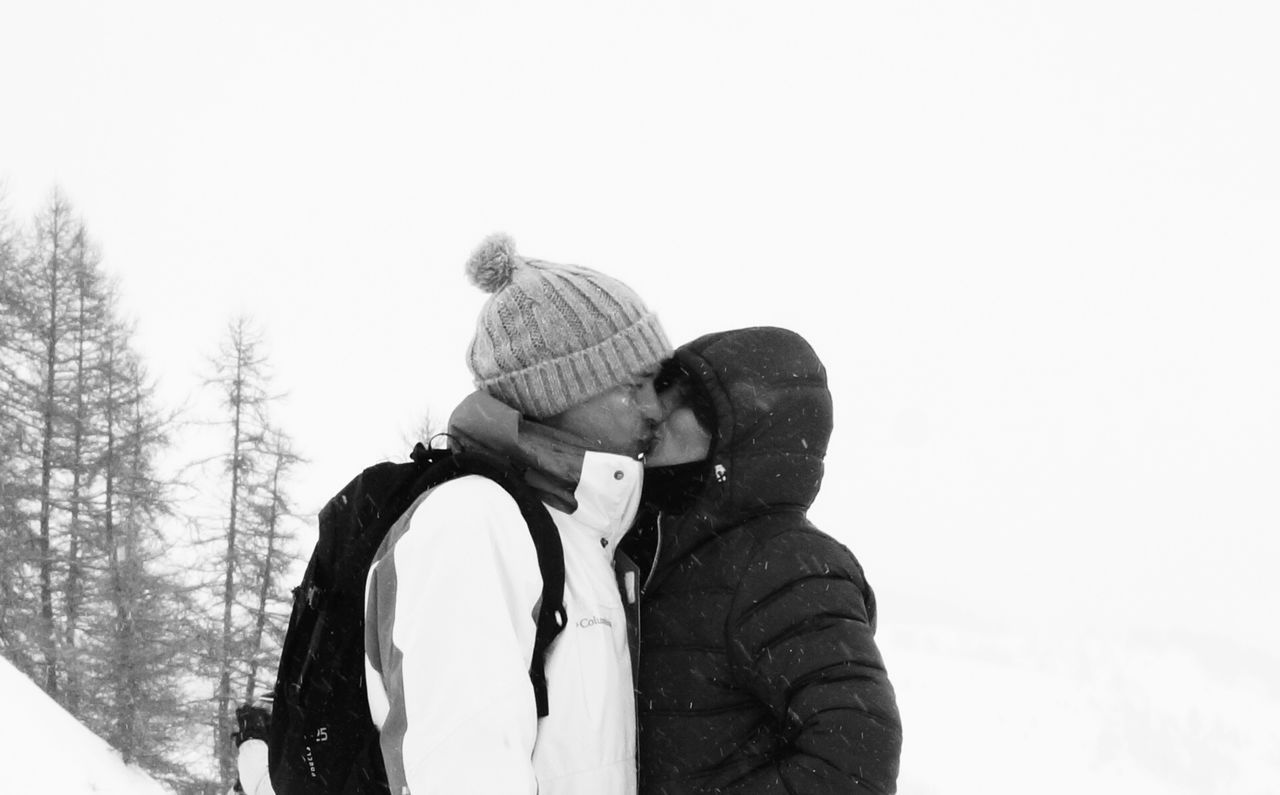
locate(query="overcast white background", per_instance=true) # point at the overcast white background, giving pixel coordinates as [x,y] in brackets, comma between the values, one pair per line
[1035,243]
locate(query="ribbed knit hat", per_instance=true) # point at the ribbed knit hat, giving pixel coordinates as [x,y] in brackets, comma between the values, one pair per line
[553,336]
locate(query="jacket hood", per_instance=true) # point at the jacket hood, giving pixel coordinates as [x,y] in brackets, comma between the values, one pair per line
[773,414]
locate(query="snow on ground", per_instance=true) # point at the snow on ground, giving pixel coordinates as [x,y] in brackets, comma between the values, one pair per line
[987,710]
[1055,709]
[43,749]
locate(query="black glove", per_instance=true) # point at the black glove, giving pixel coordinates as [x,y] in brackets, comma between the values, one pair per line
[253,721]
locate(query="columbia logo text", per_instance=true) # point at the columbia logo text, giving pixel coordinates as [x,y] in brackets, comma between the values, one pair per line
[591,622]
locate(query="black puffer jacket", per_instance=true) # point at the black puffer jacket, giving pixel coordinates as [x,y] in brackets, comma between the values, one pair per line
[758,667]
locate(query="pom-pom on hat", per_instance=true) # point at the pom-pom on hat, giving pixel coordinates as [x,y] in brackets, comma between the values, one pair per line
[553,336]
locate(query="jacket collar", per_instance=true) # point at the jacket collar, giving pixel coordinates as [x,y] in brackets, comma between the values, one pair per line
[608,495]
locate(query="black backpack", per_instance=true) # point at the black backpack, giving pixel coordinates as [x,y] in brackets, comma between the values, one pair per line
[322,738]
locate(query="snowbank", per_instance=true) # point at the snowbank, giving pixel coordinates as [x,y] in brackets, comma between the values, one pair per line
[44,749]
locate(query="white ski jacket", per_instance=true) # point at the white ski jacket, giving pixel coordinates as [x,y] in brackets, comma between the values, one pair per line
[452,596]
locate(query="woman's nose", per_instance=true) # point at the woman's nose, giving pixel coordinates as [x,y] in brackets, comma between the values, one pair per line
[650,404]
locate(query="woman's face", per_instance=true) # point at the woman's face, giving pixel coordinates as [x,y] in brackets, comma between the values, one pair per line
[680,439]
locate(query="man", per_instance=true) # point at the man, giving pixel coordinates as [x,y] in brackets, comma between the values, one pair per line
[758,666]
[453,592]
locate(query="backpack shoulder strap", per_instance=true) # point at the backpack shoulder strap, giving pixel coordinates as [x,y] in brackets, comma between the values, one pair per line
[550,551]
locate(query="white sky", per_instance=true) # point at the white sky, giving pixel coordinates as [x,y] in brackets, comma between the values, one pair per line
[1035,243]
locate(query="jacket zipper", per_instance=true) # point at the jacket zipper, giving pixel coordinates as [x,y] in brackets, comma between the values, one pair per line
[653,564]
[657,550]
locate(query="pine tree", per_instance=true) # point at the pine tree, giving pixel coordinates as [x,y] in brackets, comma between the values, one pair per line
[59,307]
[273,539]
[93,607]
[145,622]
[47,322]
[254,549]
[87,326]
[18,628]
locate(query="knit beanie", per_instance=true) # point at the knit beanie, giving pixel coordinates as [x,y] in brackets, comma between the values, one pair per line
[553,336]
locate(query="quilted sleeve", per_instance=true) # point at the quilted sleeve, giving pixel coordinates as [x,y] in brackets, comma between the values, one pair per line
[801,638]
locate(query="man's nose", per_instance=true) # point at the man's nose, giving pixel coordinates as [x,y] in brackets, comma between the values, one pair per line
[647,400]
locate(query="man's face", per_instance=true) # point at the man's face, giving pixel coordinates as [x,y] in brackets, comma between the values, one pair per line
[622,420]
